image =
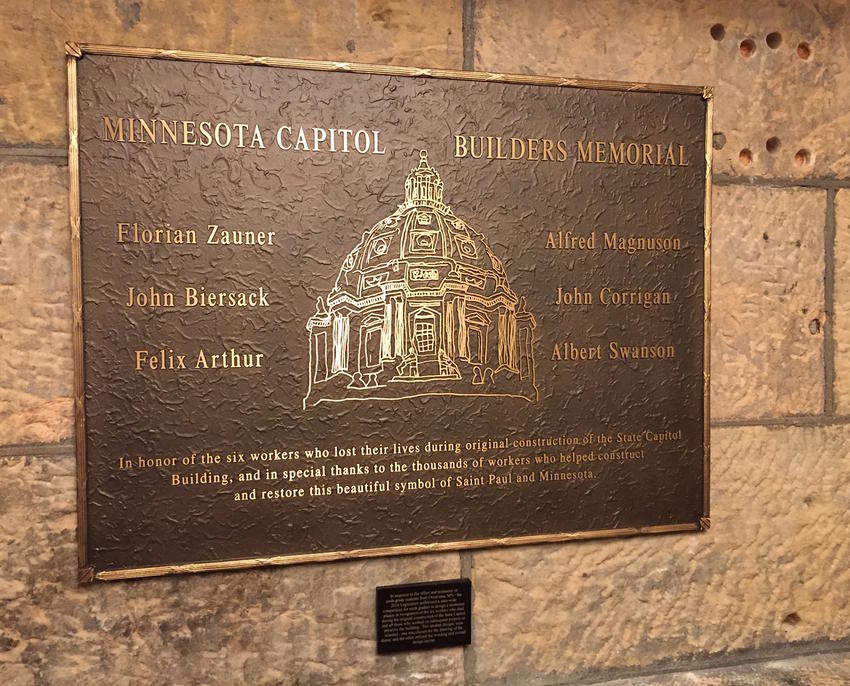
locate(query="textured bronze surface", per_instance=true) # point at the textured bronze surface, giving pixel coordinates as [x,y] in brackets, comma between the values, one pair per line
[451,323]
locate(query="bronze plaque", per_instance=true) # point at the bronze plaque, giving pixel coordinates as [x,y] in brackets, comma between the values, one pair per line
[328,310]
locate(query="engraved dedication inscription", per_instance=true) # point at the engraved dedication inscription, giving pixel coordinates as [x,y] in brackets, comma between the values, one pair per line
[326,310]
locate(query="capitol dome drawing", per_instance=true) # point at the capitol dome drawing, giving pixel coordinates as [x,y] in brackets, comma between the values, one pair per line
[421,306]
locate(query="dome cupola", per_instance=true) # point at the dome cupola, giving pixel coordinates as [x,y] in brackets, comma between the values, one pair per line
[424,185]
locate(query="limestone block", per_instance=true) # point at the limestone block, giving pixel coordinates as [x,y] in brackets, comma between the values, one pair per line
[814,670]
[32,61]
[774,568]
[841,326]
[374,31]
[36,377]
[762,92]
[309,624]
[767,302]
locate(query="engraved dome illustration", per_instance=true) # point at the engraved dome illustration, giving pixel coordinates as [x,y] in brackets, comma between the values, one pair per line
[421,306]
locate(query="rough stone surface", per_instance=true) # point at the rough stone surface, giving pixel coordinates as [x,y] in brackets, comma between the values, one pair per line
[773,569]
[815,670]
[771,93]
[36,377]
[308,625]
[767,302]
[32,62]
[841,327]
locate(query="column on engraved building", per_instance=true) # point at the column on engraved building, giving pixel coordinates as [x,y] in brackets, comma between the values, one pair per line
[507,338]
[512,361]
[462,340]
[400,349]
[387,331]
[449,327]
[503,337]
[340,343]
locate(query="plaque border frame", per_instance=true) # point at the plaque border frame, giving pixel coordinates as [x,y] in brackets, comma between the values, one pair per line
[86,573]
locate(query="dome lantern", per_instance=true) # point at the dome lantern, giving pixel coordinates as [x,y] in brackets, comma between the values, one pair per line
[423,185]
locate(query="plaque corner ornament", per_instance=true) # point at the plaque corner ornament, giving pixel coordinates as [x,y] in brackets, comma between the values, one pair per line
[73,49]
[85,575]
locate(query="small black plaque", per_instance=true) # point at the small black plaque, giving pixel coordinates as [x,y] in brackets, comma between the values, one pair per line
[424,616]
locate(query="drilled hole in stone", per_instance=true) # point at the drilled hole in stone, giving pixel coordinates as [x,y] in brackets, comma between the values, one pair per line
[802,158]
[774,40]
[718,140]
[746,157]
[792,618]
[773,144]
[814,326]
[804,52]
[747,47]
[764,235]
[718,31]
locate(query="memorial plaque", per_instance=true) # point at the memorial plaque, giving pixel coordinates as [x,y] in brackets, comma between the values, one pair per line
[423,616]
[327,310]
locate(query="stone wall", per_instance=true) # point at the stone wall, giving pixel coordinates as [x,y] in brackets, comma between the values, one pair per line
[764,597]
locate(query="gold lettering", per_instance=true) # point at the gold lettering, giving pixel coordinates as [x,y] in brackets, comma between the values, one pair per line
[377,147]
[219,128]
[562,150]
[301,141]
[365,147]
[460,144]
[280,144]
[170,130]
[113,131]
[617,153]
[514,155]
[189,133]
[257,139]
[205,133]
[601,152]
[146,129]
